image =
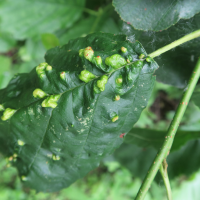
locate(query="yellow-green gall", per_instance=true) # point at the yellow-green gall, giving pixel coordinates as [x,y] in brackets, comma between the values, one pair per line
[20,143]
[81,52]
[15,155]
[56,157]
[88,53]
[62,75]
[38,93]
[115,118]
[102,82]
[1,107]
[51,101]
[117,98]
[141,56]
[49,68]
[119,80]
[115,61]
[96,89]
[149,59]
[86,76]
[40,69]
[8,113]
[128,61]
[10,158]
[123,49]
[98,60]
[24,178]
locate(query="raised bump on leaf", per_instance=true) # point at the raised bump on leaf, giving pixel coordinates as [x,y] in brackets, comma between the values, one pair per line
[124,49]
[86,76]
[130,58]
[81,52]
[55,157]
[15,155]
[38,93]
[49,68]
[20,143]
[62,75]
[102,82]
[149,59]
[115,118]
[138,63]
[115,61]
[10,159]
[24,178]
[8,113]
[88,53]
[119,80]
[51,101]
[117,98]
[40,69]
[96,89]
[98,60]
[2,107]
[141,56]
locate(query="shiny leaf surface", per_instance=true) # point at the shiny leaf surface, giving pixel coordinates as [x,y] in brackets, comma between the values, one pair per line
[64,116]
[155,15]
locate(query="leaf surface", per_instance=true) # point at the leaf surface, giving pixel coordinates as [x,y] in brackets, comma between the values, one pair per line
[196,97]
[26,18]
[54,146]
[142,147]
[176,65]
[147,137]
[155,15]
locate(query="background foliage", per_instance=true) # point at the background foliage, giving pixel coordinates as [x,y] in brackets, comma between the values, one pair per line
[28,29]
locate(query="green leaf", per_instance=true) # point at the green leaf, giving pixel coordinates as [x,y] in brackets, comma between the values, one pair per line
[5,71]
[153,15]
[6,42]
[196,97]
[188,189]
[177,64]
[49,40]
[80,29]
[25,18]
[155,138]
[61,136]
[138,154]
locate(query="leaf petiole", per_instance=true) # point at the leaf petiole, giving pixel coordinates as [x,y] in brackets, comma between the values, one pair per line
[176,43]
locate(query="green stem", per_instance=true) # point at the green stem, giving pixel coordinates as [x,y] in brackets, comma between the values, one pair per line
[163,171]
[182,40]
[91,12]
[162,154]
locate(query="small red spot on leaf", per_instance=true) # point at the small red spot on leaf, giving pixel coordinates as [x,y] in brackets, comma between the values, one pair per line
[128,23]
[87,54]
[98,56]
[145,9]
[122,135]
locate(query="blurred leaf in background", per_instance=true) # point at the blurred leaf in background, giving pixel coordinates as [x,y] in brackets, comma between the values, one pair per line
[29,28]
